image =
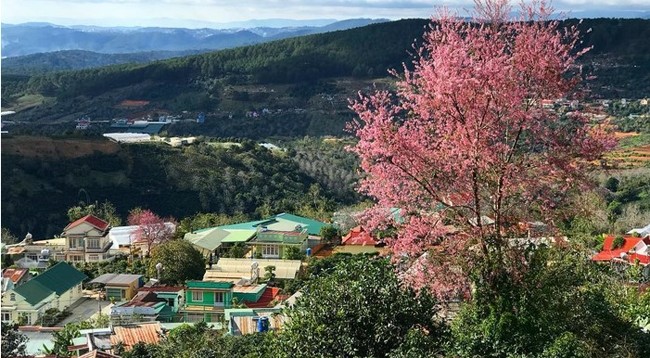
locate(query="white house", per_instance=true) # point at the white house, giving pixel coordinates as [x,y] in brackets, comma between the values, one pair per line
[57,287]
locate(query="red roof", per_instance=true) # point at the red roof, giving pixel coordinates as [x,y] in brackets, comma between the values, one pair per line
[358,236]
[265,300]
[94,221]
[14,274]
[608,253]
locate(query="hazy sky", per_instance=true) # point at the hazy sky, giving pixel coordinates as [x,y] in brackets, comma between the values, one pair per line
[154,12]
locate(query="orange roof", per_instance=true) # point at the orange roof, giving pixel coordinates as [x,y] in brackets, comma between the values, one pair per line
[14,274]
[358,236]
[130,335]
[265,300]
[94,221]
[608,253]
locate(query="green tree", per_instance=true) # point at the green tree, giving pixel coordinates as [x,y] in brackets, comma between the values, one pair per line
[8,237]
[180,262]
[359,310]
[105,211]
[14,343]
[293,253]
[562,303]
[330,234]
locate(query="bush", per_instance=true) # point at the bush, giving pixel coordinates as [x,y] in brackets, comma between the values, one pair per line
[618,242]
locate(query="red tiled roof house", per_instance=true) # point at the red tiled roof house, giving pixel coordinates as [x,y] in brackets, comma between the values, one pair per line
[87,240]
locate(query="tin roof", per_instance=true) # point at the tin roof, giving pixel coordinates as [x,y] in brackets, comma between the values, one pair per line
[116,279]
[14,274]
[130,335]
[98,354]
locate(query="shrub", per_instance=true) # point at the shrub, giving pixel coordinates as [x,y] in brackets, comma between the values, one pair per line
[618,242]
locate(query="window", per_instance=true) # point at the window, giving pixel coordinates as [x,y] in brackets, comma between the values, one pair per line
[197,296]
[76,258]
[12,297]
[6,316]
[123,294]
[32,256]
[270,250]
[218,298]
[93,257]
[93,244]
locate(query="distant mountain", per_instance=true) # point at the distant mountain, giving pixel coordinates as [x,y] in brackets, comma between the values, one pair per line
[25,39]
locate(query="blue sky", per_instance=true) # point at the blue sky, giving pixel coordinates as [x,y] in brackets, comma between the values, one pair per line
[198,13]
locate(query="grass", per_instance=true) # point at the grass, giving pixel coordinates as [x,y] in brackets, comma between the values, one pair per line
[634,141]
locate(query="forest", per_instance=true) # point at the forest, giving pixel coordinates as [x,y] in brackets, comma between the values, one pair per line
[179,182]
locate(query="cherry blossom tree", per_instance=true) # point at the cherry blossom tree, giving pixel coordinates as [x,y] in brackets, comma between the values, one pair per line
[464,146]
[152,229]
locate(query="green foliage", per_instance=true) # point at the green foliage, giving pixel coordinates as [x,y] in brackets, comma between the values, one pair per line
[180,260]
[612,184]
[235,182]
[237,251]
[14,343]
[563,303]
[52,316]
[7,237]
[63,338]
[360,310]
[330,234]
[269,274]
[105,211]
[618,242]
[293,253]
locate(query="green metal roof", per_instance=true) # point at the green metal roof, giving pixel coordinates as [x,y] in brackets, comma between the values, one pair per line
[209,284]
[208,239]
[313,226]
[60,277]
[33,291]
[249,225]
[239,235]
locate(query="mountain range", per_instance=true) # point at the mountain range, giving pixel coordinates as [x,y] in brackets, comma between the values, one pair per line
[31,38]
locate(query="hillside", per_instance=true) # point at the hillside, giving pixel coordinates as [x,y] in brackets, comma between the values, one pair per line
[66,60]
[43,177]
[304,81]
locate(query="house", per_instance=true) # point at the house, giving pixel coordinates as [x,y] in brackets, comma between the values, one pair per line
[633,249]
[120,287]
[273,244]
[216,239]
[359,241]
[267,237]
[642,232]
[234,270]
[36,254]
[157,303]
[87,240]
[58,287]
[14,277]
[206,301]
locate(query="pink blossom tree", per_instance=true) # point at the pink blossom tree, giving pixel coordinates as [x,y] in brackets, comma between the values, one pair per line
[152,229]
[464,146]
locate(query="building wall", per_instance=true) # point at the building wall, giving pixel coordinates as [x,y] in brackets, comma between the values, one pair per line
[69,297]
[14,309]
[356,249]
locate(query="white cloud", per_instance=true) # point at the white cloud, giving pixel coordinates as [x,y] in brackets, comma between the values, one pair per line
[150,12]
